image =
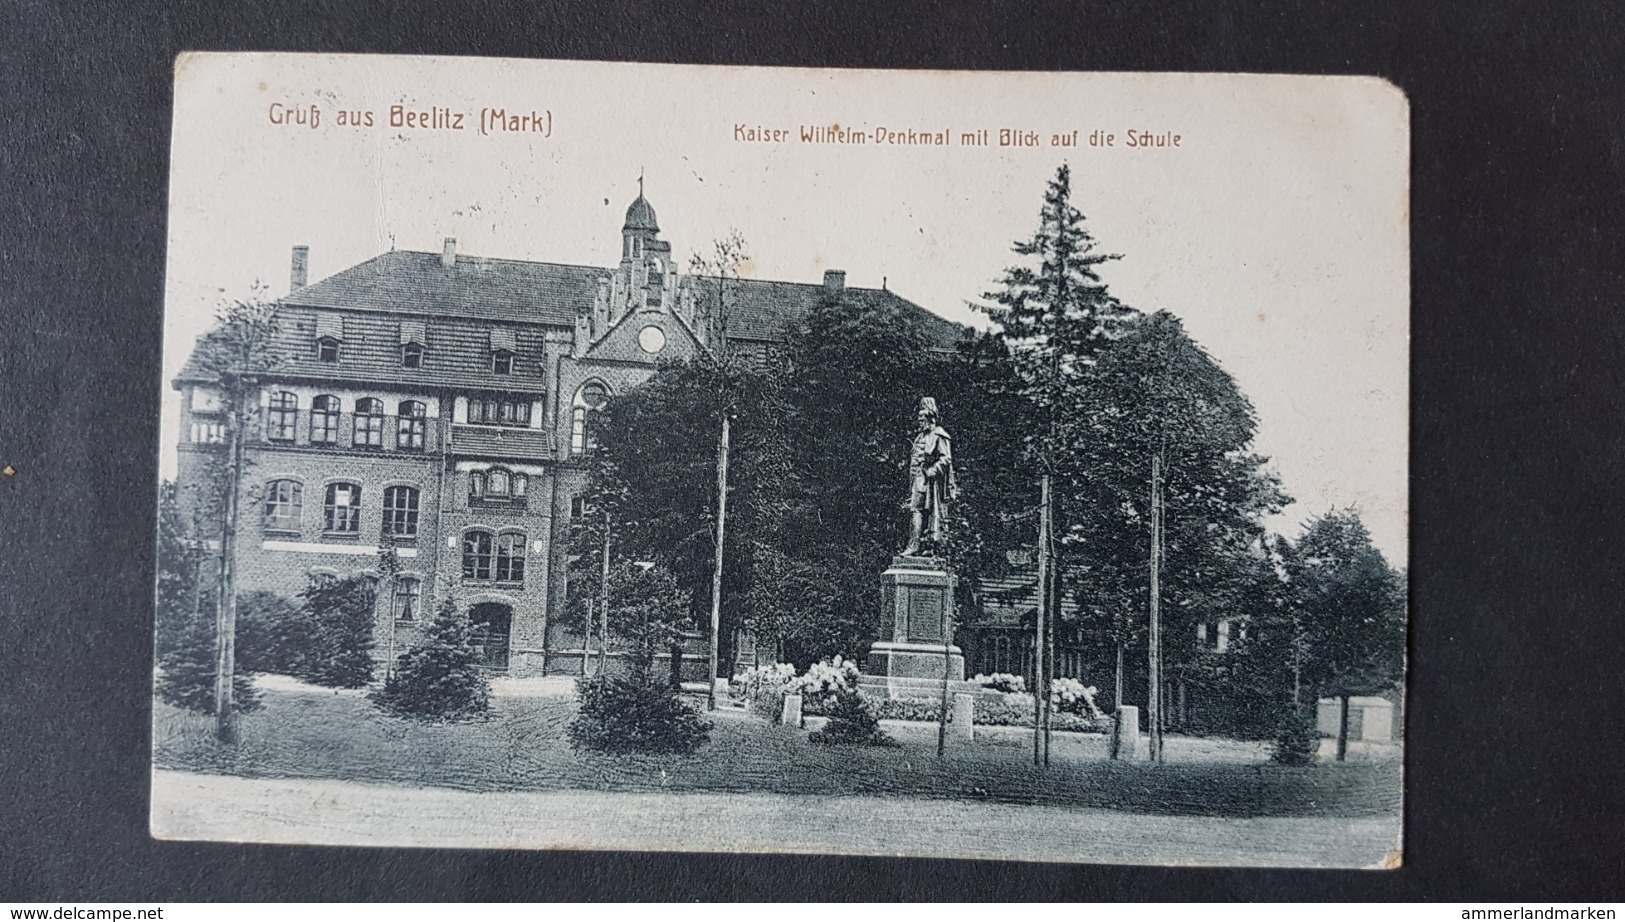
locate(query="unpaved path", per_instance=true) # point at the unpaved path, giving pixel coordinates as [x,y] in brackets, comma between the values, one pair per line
[328,812]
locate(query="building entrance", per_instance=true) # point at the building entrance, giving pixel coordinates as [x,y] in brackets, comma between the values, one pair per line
[492,622]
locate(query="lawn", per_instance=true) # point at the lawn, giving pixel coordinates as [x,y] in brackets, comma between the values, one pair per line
[521,746]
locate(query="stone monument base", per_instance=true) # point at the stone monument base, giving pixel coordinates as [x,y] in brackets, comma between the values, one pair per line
[912,670]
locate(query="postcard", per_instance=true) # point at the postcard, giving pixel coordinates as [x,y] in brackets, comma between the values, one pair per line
[583,455]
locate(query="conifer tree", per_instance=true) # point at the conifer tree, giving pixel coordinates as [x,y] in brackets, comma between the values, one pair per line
[1054,313]
[439,678]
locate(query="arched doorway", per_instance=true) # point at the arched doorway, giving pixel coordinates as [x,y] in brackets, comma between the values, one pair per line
[492,622]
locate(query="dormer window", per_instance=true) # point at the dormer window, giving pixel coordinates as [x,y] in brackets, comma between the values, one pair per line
[327,349]
[502,362]
[413,337]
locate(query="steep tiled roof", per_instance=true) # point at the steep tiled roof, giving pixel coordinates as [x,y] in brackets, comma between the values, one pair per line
[371,302]
[768,311]
[475,287]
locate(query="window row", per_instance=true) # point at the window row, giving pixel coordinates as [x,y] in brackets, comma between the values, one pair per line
[330,348]
[499,411]
[498,484]
[489,556]
[367,423]
[341,508]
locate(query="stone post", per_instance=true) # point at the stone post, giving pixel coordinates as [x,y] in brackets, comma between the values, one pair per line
[965,717]
[791,715]
[1125,742]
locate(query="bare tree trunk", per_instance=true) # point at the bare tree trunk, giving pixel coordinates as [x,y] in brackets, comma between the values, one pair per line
[947,660]
[225,662]
[716,573]
[1118,691]
[603,602]
[1154,645]
[1040,687]
[1342,727]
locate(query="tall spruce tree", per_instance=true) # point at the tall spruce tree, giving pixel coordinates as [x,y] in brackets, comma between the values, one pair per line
[1054,313]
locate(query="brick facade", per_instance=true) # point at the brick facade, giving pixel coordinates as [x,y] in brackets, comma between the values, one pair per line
[476,372]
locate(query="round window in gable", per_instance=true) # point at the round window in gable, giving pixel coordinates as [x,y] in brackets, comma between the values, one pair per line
[652,339]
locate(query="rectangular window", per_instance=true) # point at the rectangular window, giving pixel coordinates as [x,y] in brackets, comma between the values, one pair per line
[369,423]
[511,558]
[401,511]
[324,420]
[208,431]
[284,500]
[411,425]
[494,411]
[477,553]
[408,598]
[342,509]
[282,417]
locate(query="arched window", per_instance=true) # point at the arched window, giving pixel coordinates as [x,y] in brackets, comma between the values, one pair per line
[324,420]
[369,423]
[518,484]
[408,598]
[413,422]
[327,349]
[590,398]
[411,356]
[282,417]
[511,557]
[478,547]
[341,508]
[284,505]
[476,485]
[496,483]
[502,362]
[401,511]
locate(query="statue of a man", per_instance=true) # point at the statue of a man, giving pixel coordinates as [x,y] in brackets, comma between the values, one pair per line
[931,479]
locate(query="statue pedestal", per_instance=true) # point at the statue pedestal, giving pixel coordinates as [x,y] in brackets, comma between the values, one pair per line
[908,659]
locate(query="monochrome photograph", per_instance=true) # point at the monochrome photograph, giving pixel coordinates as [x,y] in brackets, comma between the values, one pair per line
[679,458]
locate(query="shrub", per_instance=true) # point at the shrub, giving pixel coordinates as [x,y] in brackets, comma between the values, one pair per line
[186,671]
[822,683]
[439,678]
[273,633]
[1073,697]
[338,652]
[635,714]
[1297,740]
[919,709]
[764,688]
[1002,682]
[1014,710]
[851,723]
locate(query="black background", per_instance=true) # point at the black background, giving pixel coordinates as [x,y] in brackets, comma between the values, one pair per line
[1514,774]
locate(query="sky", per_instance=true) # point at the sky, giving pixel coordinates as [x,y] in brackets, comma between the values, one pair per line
[1276,229]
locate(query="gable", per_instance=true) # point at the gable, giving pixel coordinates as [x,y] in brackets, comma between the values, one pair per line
[646,337]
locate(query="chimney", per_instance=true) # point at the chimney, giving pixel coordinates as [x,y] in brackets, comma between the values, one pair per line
[448,256]
[299,277]
[834,282]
